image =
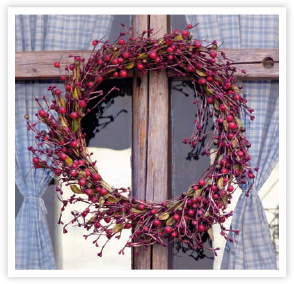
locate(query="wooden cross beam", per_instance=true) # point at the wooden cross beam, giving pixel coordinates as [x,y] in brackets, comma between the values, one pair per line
[260,64]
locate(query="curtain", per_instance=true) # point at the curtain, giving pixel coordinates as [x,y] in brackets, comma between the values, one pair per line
[252,248]
[33,247]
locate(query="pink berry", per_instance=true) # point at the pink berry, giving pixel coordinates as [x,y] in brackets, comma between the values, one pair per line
[168,229]
[141,207]
[156,222]
[36,160]
[185,33]
[121,42]
[103,191]
[56,65]
[62,110]
[42,113]
[73,115]
[201,228]
[201,182]
[123,73]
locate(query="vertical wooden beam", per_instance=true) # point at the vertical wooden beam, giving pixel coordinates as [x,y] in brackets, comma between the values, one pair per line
[157,158]
[139,146]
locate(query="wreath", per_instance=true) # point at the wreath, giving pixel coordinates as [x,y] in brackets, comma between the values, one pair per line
[62,149]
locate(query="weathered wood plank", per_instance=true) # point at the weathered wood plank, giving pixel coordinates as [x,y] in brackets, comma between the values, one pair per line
[139,144]
[157,159]
[39,64]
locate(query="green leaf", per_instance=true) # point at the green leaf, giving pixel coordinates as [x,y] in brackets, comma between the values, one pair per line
[137,210]
[220,158]
[75,125]
[63,121]
[170,221]
[178,37]
[200,73]
[75,189]
[239,123]
[61,101]
[197,193]
[68,160]
[220,182]
[101,201]
[210,233]
[130,65]
[163,216]
[142,56]
[216,104]
[117,228]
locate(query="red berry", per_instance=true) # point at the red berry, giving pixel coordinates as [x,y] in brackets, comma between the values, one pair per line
[169,49]
[58,92]
[201,182]
[58,172]
[153,211]
[168,229]
[153,55]
[82,182]
[191,212]
[74,144]
[156,222]
[201,228]
[73,115]
[89,191]
[103,191]
[126,55]
[230,118]
[222,107]
[163,204]
[42,113]
[176,217]
[97,225]
[185,33]
[56,65]
[230,136]
[36,160]
[237,97]
[173,234]
[240,154]
[232,125]
[121,42]
[201,81]
[190,69]
[140,66]
[230,188]
[90,85]
[209,78]
[128,225]
[190,26]
[81,162]
[63,156]
[213,54]
[120,60]
[141,207]
[73,173]
[210,100]
[96,176]
[197,43]
[123,73]
[95,42]
[115,74]
[62,110]
[100,79]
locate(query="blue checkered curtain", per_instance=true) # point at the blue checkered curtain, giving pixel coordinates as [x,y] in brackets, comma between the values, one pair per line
[33,247]
[252,248]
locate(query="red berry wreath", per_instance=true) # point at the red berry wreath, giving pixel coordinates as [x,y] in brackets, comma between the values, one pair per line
[63,150]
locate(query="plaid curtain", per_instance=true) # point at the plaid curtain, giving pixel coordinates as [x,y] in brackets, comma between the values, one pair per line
[33,248]
[252,248]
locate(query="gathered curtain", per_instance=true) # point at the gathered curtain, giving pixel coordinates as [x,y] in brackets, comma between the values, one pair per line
[252,248]
[33,247]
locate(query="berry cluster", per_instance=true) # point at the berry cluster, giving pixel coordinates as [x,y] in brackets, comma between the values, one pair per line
[63,150]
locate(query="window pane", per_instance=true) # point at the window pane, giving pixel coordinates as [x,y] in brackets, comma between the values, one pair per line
[185,171]
[109,137]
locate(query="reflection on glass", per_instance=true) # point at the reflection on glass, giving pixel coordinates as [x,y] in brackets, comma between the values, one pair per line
[185,171]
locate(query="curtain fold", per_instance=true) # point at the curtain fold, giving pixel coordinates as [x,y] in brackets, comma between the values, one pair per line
[33,247]
[252,248]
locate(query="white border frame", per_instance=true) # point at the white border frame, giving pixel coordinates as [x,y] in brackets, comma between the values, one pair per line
[281,11]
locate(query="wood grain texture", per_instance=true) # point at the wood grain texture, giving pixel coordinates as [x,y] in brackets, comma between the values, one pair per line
[39,64]
[157,159]
[139,143]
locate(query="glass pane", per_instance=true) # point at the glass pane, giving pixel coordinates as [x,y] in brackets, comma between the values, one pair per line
[185,170]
